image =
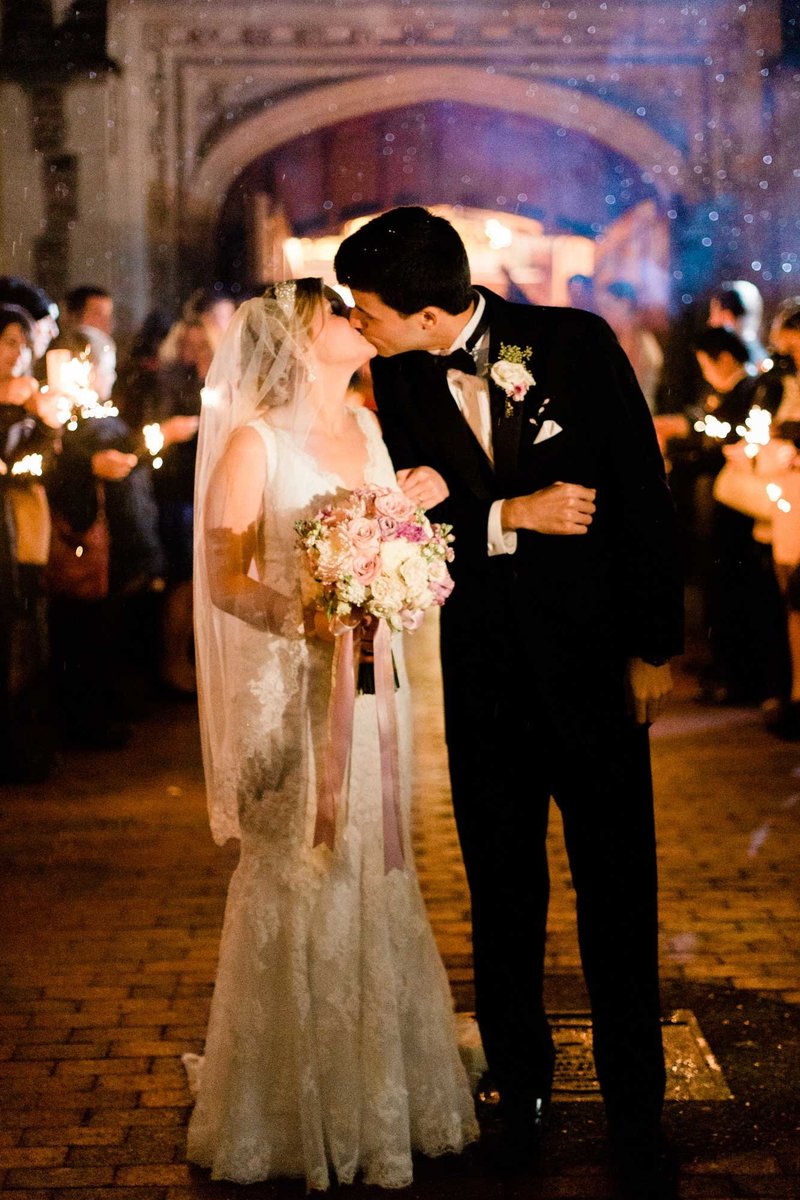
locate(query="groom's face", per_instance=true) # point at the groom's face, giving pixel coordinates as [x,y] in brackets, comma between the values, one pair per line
[389,331]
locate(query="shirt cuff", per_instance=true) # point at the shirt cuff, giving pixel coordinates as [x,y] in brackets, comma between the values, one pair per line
[499,541]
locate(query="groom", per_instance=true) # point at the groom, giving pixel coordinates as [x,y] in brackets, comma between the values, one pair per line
[524,427]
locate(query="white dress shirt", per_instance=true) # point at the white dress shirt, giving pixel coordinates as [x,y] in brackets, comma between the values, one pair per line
[471,394]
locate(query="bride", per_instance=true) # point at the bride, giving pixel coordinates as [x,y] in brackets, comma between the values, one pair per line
[331,1046]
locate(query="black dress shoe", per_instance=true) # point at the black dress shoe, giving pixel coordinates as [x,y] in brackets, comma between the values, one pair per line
[644,1166]
[512,1122]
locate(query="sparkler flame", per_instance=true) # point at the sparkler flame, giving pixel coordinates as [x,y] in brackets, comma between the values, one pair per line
[31,464]
[712,427]
[755,430]
[69,380]
[153,438]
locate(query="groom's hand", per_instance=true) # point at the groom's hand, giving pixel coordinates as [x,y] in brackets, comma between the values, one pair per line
[562,508]
[424,486]
[648,688]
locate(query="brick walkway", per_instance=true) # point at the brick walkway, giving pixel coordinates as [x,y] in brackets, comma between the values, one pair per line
[112,896]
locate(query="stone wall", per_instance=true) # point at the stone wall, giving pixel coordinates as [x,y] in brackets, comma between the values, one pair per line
[691,93]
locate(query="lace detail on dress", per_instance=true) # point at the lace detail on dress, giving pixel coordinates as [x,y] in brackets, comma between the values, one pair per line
[331,1047]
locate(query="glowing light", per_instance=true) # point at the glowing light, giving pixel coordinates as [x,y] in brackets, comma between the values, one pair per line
[31,464]
[755,430]
[153,438]
[293,253]
[210,397]
[774,492]
[784,506]
[499,235]
[69,379]
[712,427]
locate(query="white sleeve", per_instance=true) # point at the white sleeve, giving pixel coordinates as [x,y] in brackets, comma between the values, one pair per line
[499,541]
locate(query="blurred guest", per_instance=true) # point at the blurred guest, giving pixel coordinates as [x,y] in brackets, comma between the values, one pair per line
[41,309]
[90,317]
[213,308]
[207,308]
[137,390]
[103,622]
[738,306]
[785,339]
[580,293]
[743,606]
[723,359]
[619,305]
[28,428]
[181,384]
[90,306]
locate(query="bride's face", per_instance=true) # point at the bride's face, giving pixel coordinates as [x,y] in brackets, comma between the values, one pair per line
[334,340]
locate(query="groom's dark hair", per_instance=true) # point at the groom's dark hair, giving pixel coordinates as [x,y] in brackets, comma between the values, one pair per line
[410,259]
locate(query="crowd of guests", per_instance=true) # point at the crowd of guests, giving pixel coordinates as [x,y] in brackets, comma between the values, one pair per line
[96,537]
[97,525]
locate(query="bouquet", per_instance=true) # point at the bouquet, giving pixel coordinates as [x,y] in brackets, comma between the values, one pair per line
[374,555]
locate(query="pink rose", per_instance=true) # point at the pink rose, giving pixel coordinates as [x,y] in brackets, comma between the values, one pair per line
[388,527]
[364,535]
[366,567]
[394,504]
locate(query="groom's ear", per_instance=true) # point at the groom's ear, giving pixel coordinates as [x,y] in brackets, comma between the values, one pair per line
[430,318]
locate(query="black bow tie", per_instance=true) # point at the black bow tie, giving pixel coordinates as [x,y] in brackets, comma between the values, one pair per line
[459,360]
[462,359]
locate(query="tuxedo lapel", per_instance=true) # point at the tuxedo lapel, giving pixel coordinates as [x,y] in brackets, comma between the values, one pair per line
[507,415]
[441,415]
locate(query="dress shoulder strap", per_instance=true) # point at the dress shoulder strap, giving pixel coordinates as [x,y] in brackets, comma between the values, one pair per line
[368,421]
[267,435]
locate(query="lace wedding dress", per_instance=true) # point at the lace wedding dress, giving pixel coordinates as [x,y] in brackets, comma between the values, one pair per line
[331,1047]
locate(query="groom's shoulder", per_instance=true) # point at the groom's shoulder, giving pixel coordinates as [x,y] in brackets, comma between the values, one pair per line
[569,323]
[556,325]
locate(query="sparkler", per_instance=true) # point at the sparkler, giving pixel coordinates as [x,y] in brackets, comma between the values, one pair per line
[154,441]
[69,380]
[31,465]
[755,430]
[712,427]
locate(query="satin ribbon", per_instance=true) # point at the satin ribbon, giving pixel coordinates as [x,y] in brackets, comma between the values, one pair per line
[390,758]
[341,707]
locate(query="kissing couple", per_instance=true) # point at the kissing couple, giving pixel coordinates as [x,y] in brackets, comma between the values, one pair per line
[331,1049]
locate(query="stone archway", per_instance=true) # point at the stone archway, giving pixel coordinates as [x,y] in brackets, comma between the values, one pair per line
[208,183]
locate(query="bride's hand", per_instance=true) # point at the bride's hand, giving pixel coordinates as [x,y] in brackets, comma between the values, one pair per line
[317,625]
[424,486]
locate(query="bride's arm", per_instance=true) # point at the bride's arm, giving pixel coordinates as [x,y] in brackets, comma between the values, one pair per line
[232,524]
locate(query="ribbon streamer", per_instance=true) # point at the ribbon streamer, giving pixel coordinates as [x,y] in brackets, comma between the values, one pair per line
[341,706]
[390,759]
[340,735]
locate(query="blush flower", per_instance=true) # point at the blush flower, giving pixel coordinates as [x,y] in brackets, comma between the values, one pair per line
[364,534]
[366,567]
[394,504]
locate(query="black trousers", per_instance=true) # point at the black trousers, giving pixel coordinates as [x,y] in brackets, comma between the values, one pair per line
[513,743]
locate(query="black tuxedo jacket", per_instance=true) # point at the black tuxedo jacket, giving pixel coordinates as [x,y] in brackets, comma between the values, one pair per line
[617,589]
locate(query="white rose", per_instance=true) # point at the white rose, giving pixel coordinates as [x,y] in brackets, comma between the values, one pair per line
[354,593]
[513,378]
[387,594]
[394,553]
[414,574]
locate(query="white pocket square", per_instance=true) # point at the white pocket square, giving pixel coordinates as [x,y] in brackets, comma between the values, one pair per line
[549,429]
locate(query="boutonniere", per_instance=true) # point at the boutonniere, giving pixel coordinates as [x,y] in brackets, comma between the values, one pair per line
[512,375]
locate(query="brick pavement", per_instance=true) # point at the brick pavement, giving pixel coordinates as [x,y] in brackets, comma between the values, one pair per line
[112,896]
